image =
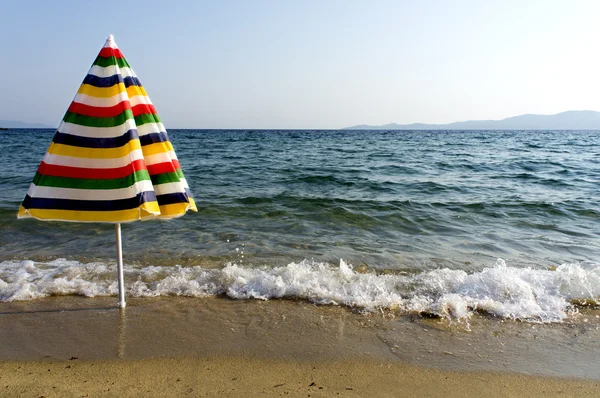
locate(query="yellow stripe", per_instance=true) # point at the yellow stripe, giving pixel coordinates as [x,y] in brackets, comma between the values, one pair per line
[132,91]
[148,210]
[176,209]
[156,148]
[107,92]
[101,92]
[94,153]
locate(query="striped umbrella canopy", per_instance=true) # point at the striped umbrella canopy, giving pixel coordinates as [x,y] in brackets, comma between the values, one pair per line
[111,159]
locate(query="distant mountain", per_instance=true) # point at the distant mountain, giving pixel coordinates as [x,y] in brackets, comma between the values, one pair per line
[13,124]
[570,120]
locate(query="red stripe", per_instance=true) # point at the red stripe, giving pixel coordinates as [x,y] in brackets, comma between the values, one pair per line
[161,168]
[99,111]
[93,174]
[107,52]
[143,109]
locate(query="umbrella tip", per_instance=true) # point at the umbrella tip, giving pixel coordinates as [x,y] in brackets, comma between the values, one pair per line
[111,37]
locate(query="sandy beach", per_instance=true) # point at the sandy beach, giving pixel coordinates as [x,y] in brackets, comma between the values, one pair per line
[74,346]
[249,377]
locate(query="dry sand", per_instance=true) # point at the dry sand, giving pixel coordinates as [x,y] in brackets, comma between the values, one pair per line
[249,377]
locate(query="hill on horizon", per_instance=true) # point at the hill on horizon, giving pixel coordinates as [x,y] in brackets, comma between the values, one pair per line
[569,120]
[15,124]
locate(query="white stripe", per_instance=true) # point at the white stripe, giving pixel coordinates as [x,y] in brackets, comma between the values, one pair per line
[71,161]
[90,194]
[169,187]
[101,102]
[96,132]
[140,99]
[112,101]
[160,158]
[184,182]
[149,128]
[110,44]
[110,70]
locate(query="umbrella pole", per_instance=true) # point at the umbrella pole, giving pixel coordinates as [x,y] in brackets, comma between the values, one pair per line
[120,267]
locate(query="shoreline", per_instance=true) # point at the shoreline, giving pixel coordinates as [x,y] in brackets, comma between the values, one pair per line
[252,376]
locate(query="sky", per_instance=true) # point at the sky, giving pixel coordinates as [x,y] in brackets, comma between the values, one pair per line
[285,64]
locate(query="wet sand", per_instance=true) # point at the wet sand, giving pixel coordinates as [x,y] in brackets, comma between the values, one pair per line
[73,346]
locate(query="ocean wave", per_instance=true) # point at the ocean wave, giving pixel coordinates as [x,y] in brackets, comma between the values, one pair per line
[528,294]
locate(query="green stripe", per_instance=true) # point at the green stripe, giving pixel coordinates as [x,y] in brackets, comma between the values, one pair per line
[85,183]
[147,118]
[166,178]
[91,121]
[108,61]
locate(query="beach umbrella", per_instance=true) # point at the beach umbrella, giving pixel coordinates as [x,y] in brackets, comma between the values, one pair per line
[110,160]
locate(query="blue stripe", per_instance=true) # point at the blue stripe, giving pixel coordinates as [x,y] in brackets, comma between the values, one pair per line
[88,142]
[172,198]
[103,82]
[110,81]
[114,142]
[132,81]
[153,138]
[89,205]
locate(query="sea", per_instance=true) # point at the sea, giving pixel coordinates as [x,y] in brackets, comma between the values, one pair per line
[445,224]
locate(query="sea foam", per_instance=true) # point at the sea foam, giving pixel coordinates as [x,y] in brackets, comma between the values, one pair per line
[539,295]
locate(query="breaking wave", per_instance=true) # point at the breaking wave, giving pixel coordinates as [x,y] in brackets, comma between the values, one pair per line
[538,295]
